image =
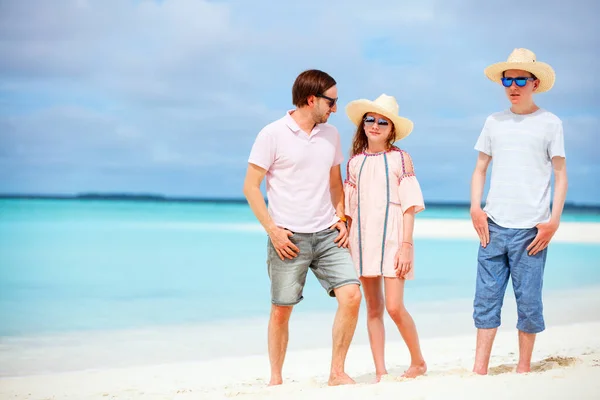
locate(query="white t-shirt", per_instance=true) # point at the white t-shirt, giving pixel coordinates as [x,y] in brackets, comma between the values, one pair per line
[522,148]
[298,173]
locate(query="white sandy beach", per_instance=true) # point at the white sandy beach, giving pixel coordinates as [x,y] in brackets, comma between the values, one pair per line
[566,360]
[567,367]
[229,360]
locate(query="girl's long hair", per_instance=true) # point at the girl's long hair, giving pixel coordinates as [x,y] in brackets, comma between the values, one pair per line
[360,140]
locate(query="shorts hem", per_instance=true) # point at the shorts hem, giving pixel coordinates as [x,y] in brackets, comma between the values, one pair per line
[283,303]
[487,326]
[531,331]
[340,284]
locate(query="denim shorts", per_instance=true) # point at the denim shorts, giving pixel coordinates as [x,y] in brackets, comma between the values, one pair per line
[332,265]
[506,255]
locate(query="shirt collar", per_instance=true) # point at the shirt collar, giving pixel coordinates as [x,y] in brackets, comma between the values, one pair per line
[293,125]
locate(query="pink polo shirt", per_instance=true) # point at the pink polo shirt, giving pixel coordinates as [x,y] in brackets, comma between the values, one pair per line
[298,167]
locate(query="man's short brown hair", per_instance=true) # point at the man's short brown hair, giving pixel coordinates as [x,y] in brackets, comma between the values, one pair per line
[310,83]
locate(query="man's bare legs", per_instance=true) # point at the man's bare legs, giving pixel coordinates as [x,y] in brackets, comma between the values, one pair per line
[526,342]
[344,325]
[485,340]
[394,303]
[278,340]
[373,290]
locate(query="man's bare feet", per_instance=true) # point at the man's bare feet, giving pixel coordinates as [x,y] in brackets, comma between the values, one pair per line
[275,380]
[340,379]
[415,370]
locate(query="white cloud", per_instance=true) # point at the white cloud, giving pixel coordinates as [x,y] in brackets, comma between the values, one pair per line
[182,84]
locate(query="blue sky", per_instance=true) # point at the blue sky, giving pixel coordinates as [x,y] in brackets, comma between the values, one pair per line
[167,97]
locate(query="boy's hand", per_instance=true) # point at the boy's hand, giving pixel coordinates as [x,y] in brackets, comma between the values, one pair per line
[545,232]
[480,223]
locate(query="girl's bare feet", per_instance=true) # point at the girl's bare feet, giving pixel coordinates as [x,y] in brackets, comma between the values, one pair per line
[415,370]
[379,376]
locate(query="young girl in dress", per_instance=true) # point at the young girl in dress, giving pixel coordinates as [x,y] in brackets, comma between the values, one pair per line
[382,197]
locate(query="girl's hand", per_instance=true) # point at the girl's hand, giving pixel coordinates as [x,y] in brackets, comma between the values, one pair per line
[403,261]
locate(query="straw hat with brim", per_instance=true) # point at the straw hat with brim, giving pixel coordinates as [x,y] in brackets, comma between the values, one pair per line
[384,105]
[523,59]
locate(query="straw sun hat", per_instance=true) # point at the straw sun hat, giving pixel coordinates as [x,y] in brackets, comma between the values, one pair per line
[384,105]
[525,60]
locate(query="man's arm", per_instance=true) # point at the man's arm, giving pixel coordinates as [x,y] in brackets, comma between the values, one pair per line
[254,178]
[478,216]
[279,237]
[336,188]
[547,230]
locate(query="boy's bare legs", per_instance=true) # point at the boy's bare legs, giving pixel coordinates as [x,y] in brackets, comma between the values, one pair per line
[373,291]
[526,342]
[344,325]
[394,302]
[485,340]
[278,340]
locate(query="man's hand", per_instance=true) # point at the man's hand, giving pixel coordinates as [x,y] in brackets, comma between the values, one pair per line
[283,245]
[542,239]
[342,238]
[403,262]
[480,223]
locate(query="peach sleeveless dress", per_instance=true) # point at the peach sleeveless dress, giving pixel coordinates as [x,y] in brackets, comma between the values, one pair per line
[378,190]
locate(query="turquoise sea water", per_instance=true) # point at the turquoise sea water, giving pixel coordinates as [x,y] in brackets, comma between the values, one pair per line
[88,265]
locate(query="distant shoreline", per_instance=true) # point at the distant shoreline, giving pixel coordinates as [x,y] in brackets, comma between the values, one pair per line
[174,199]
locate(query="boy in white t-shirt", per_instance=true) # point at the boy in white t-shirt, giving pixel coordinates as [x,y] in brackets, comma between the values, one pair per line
[516,225]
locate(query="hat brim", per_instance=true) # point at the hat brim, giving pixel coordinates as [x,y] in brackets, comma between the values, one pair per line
[542,71]
[358,108]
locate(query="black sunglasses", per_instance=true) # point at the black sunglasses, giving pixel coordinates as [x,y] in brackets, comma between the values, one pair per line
[371,120]
[330,100]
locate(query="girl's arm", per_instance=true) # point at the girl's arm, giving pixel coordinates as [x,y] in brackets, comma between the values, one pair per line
[408,226]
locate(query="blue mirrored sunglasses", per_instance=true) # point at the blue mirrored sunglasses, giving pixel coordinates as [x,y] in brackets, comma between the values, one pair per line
[380,121]
[520,81]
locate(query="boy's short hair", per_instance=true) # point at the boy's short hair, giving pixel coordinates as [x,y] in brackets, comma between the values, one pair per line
[532,75]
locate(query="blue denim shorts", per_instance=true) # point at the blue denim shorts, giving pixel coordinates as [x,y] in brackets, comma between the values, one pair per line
[332,265]
[506,255]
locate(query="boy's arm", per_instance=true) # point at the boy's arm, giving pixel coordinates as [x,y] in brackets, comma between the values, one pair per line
[561,184]
[547,230]
[478,216]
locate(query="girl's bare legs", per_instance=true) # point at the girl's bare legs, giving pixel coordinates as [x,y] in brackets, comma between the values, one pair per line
[394,303]
[373,292]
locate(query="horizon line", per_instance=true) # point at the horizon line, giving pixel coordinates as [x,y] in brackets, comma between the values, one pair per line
[151,197]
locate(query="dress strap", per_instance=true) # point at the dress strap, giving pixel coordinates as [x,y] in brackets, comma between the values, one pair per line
[387,209]
[360,255]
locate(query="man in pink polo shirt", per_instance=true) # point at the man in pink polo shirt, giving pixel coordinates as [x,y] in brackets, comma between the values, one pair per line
[300,155]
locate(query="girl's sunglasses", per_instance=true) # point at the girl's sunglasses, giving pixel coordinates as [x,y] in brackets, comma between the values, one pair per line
[371,120]
[520,81]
